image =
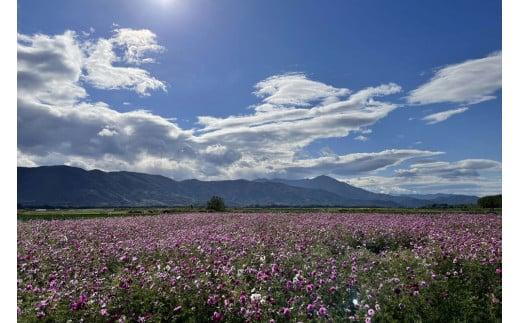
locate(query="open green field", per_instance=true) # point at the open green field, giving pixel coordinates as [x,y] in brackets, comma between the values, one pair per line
[61,214]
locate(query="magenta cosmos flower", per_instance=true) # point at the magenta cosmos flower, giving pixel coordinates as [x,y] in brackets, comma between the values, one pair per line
[322,311]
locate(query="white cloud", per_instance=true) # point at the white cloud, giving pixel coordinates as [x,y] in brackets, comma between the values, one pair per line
[101,72]
[480,186]
[361,138]
[462,168]
[295,89]
[442,116]
[49,68]
[356,163]
[88,33]
[469,176]
[276,132]
[95,130]
[470,82]
[95,135]
[106,132]
[57,125]
[325,151]
[136,44]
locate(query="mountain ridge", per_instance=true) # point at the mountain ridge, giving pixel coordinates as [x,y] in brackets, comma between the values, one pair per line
[66,186]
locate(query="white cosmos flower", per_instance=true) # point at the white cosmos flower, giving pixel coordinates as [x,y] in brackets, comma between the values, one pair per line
[256,297]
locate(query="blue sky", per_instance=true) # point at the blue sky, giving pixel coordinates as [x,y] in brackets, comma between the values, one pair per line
[210,56]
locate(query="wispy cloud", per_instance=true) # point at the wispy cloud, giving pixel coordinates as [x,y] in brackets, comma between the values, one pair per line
[468,176]
[295,89]
[463,168]
[470,82]
[351,164]
[443,116]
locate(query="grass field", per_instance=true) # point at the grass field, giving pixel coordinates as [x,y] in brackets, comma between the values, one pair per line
[57,214]
[232,267]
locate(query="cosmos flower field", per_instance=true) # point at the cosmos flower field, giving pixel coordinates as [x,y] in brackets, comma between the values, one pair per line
[261,267]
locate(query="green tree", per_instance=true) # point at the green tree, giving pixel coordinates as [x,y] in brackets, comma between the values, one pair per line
[216,203]
[490,202]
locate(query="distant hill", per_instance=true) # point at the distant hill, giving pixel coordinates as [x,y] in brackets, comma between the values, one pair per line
[350,192]
[75,187]
[64,186]
[71,186]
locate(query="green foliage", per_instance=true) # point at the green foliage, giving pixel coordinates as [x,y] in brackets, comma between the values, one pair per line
[216,203]
[490,202]
[76,214]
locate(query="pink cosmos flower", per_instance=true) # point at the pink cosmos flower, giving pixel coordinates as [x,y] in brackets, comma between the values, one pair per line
[83,298]
[217,317]
[322,311]
[80,303]
[243,298]
[289,284]
[212,300]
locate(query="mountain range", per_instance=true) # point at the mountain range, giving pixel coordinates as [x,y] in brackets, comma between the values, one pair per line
[65,186]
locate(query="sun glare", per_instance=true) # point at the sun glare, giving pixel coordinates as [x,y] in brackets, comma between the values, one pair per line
[165,2]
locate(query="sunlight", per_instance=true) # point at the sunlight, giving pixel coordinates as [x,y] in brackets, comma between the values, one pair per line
[165,3]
